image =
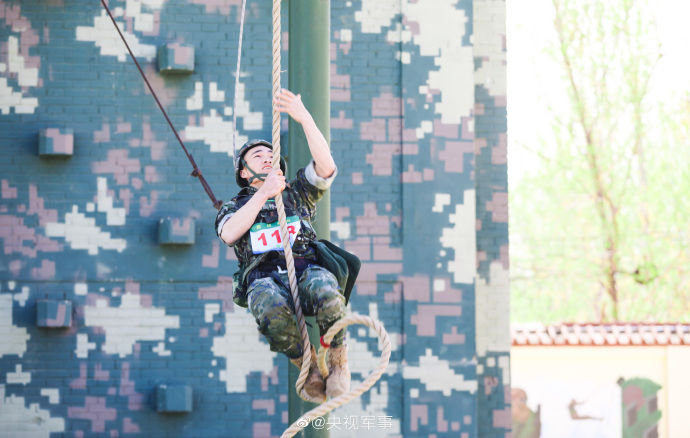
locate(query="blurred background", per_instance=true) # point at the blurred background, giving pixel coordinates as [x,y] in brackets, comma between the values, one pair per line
[599,177]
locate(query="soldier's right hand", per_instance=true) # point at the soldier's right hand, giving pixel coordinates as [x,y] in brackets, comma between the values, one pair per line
[273,184]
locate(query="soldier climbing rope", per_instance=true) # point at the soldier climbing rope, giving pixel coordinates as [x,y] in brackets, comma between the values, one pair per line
[342,323]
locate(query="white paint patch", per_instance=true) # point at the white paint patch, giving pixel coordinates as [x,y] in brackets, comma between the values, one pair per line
[375,410]
[196,100]
[26,76]
[346,35]
[215,94]
[210,310]
[425,127]
[84,346]
[251,121]
[11,285]
[81,288]
[13,339]
[439,285]
[362,361]
[105,37]
[437,375]
[342,229]
[20,421]
[18,377]
[53,395]
[493,298]
[488,45]
[440,201]
[460,236]
[102,270]
[143,22]
[504,365]
[398,34]
[215,132]
[442,27]
[129,323]
[22,296]
[81,232]
[243,351]
[377,14]
[13,99]
[160,350]
[114,216]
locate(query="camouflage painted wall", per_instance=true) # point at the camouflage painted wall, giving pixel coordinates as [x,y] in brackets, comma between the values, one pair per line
[419,134]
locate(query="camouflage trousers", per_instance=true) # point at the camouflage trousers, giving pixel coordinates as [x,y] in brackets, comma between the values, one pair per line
[271,304]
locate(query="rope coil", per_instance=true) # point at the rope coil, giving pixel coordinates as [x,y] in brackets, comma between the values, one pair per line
[324,408]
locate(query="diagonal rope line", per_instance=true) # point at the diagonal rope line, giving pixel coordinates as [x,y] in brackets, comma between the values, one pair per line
[196,172]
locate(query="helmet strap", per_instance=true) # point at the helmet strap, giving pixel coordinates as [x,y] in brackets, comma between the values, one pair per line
[260,176]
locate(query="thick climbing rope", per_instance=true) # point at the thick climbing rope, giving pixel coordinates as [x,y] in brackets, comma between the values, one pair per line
[285,237]
[328,406]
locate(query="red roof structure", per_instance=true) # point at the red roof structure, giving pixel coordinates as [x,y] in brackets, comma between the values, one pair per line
[600,335]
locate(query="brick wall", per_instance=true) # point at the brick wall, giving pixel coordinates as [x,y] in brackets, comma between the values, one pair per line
[419,135]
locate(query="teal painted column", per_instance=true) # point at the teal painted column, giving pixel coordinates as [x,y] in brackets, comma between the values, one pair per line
[309,75]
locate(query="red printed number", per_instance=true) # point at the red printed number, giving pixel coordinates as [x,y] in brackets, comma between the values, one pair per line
[276,234]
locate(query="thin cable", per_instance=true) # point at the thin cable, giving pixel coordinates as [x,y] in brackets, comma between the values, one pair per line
[196,172]
[237,86]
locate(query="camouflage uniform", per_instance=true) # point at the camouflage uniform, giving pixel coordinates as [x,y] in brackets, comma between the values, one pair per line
[262,284]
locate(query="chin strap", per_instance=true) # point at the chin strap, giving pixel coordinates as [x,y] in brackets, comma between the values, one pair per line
[260,176]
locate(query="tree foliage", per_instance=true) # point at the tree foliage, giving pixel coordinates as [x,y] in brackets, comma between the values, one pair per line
[601,230]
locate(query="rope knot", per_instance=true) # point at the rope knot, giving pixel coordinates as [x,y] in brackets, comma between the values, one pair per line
[196,173]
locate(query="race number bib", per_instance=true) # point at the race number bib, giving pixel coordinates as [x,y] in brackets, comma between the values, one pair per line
[266,237]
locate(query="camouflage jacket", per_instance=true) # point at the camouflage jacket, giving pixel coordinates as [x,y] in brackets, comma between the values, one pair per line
[299,199]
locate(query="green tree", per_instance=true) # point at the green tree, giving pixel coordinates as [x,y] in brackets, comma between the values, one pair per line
[600,230]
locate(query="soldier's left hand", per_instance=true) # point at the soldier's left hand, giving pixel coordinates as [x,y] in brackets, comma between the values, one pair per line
[288,102]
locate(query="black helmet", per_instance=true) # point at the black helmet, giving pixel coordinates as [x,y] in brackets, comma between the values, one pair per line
[240,163]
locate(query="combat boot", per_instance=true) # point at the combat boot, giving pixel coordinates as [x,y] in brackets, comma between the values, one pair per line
[338,381]
[314,386]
